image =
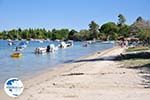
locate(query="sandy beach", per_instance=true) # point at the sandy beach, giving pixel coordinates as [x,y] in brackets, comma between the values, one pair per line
[95,77]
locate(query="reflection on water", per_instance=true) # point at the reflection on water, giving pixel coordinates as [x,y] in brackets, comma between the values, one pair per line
[30,63]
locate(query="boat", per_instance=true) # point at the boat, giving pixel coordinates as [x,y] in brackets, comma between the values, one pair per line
[69,43]
[40,40]
[89,42]
[85,45]
[53,48]
[10,43]
[40,50]
[16,55]
[18,48]
[108,42]
[23,44]
[57,40]
[62,45]
[65,44]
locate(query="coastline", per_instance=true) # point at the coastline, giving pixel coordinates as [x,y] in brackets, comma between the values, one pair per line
[61,66]
[75,80]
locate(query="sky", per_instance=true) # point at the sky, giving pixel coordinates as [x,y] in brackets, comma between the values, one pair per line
[72,14]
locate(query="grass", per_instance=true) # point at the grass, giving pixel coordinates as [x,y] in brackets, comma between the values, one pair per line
[136,63]
[137,48]
[135,60]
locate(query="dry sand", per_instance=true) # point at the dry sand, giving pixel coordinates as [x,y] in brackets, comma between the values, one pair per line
[90,78]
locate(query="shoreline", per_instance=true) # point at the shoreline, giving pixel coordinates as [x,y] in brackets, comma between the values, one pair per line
[79,80]
[44,68]
[58,66]
[62,67]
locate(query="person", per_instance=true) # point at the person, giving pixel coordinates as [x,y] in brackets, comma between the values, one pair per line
[16,48]
[48,49]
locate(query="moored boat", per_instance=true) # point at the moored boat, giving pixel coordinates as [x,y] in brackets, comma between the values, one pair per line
[16,55]
[40,50]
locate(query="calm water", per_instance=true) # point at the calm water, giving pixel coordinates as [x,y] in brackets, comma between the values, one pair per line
[30,63]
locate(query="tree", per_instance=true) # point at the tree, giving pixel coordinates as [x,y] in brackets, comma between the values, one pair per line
[94,29]
[121,20]
[140,28]
[124,31]
[139,19]
[71,34]
[61,34]
[110,29]
[82,35]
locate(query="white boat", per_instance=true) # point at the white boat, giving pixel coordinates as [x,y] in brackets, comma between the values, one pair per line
[57,40]
[10,43]
[41,41]
[53,48]
[89,42]
[22,45]
[40,50]
[69,43]
[63,45]
[66,44]
[85,44]
[108,42]
[9,40]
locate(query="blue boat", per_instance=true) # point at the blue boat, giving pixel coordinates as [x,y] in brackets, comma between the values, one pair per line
[21,46]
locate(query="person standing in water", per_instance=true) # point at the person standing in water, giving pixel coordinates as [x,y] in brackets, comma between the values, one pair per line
[48,49]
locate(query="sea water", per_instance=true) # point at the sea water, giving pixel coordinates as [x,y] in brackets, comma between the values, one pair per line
[31,63]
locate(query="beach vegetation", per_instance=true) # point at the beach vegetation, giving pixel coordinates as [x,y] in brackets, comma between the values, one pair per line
[107,31]
[138,48]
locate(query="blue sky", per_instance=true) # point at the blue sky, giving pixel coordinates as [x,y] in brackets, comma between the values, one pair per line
[72,14]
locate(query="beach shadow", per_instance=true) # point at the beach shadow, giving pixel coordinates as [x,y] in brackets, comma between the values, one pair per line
[141,55]
[109,58]
[145,72]
[144,69]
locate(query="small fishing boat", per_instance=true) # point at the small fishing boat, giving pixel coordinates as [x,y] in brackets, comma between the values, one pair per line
[85,44]
[53,48]
[69,43]
[16,55]
[65,44]
[57,40]
[21,46]
[108,42]
[89,42]
[40,41]
[40,50]
[10,43]
[62,45]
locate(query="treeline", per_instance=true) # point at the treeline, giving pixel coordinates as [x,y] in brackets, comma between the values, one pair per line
[108,31]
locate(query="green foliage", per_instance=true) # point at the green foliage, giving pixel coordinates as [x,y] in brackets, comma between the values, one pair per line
[124,31]
[141,28]
[60,34]
[121,20]
[72,34]
[137,48]
[82,35]
[110,29]
[94,29]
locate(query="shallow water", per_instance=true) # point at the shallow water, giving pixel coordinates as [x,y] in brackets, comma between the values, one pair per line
[30,63]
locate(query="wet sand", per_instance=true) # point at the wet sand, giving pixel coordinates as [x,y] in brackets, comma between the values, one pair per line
[95,77]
